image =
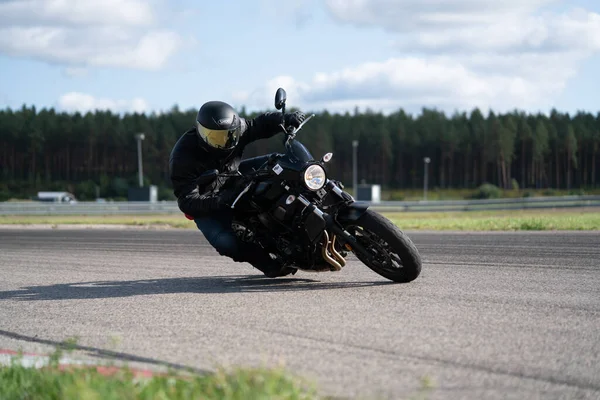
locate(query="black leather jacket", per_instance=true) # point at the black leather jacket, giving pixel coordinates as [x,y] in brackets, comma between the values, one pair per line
[191,157]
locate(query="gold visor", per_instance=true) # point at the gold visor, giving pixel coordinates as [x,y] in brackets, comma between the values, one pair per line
[219,139]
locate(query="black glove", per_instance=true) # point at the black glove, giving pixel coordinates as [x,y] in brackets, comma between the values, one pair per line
[294,119]
[230,192]
[226,199]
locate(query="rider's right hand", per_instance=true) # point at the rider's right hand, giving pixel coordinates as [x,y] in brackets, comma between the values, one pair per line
[226,199]
[294,119]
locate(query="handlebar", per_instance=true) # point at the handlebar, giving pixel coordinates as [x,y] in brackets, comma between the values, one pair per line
[291,132]
[303,122]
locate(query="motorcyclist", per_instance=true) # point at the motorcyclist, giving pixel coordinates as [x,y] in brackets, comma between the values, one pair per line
[217,141]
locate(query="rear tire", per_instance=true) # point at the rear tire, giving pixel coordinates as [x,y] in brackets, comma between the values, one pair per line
[397,258]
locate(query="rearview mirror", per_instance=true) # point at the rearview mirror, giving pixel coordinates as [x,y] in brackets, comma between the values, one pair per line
[280,98]
[207,177]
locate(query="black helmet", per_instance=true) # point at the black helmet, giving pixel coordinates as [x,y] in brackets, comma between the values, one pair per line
[218,125]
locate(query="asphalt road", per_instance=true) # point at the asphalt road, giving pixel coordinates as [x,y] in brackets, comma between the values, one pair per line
[493,316]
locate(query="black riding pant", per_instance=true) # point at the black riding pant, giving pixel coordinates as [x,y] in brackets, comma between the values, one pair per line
[217,230]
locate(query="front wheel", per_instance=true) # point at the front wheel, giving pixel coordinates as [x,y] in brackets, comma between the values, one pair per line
[393,255]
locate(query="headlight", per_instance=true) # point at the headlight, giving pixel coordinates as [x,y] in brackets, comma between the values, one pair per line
[314,177]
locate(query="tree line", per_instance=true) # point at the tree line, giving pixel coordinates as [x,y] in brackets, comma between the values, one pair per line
[95,153]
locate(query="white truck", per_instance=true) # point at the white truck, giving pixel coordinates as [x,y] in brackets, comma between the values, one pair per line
[56,197]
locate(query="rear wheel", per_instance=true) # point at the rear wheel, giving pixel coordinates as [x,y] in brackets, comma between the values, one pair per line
[393,255]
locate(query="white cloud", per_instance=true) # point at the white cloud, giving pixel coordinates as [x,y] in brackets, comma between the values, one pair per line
[240,96]
[264,96]
[74,72]
[77,12]
[4,101]
[406,15]
[91,33]
[517,26]
[75,101]
[576,30]
[300,12]
[411,83]
[453,54]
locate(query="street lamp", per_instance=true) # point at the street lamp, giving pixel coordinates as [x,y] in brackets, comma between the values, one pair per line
[354,168]
[140,137]
[426,160]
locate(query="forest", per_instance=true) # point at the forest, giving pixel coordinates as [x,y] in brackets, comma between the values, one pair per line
[95,154]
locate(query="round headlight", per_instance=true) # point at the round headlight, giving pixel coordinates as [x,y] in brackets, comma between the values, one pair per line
[314,177]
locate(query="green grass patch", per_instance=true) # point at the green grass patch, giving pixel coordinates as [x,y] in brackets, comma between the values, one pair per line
[532,220]
[55,381]
[167,220]
[526,220]
[20,383]
[463,194]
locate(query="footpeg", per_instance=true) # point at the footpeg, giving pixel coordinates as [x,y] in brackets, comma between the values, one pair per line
[242,232]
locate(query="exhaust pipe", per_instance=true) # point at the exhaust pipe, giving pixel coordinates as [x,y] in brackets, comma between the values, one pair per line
[334,262]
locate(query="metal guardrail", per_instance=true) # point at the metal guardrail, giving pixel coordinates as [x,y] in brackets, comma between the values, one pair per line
[170,207]
[491,204]
[88,208]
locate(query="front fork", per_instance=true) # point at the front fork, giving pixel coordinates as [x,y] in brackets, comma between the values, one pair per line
[334,226]
[350,241]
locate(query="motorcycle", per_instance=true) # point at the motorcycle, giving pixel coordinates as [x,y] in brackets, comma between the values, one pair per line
[293,211]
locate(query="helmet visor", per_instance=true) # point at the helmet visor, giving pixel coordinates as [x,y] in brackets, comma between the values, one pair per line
[219,139]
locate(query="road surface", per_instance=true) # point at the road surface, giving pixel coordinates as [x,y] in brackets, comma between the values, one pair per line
[493,315]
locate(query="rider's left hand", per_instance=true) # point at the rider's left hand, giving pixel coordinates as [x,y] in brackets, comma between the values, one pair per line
[294,119]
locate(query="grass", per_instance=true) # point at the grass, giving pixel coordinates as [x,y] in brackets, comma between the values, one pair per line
[55,381]
[463,194]
[522,220]
[531,220]
[434,193]
[17,382]
[166,220]
[88,383]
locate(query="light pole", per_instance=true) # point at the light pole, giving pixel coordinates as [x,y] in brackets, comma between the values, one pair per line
[426,160]
[140,137]
[355,168]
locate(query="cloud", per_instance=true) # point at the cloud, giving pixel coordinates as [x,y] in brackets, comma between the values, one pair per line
[469,26]
[91,33]
[74,72]
[75,101]
[4,101]
[408,15]
[411,83]
[79,13]
[577,30]
[300,12]
[452,55]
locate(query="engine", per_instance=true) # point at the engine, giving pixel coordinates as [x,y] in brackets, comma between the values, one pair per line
[291,230]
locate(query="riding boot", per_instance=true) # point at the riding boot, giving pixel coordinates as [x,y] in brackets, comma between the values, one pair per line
[272,268]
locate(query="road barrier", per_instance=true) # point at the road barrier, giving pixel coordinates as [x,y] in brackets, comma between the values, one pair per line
[491,204]
[170,207]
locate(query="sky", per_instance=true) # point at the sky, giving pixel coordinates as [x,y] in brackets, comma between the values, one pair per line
[335,55]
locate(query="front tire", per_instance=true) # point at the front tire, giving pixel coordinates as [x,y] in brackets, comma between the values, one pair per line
[395,256]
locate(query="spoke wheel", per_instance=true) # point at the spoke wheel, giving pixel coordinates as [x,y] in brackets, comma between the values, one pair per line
[383,256]
[392,254]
